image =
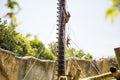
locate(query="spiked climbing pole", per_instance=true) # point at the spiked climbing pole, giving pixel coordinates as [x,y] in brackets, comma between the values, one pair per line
[61,39]
[63,18]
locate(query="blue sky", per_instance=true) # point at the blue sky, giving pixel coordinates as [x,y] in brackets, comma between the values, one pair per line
[88,28]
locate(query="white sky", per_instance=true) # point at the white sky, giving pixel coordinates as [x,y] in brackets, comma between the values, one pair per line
[88,28]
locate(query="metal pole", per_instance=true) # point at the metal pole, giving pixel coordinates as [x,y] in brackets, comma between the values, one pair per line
[61,38]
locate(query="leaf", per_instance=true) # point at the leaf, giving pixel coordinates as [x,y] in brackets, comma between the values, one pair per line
[13,4]
[28,35]
[13,18]
[112,13]
[18,6]
[10,15]
[15,22]
[116,2]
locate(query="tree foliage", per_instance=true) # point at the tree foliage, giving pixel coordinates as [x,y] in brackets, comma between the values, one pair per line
[88,56]
[40,50]
[70,52]
[13,41]
[114,10]
[17,43]
[53,47]
[12,4]
[10,14]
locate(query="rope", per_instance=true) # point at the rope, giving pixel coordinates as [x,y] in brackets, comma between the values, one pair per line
[31,66]
[76,63]
[69,28]
[75,44]
[51,32]
[95,68]
[73,35]
[38,55]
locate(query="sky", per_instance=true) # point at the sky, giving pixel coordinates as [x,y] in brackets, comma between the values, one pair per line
[88,28]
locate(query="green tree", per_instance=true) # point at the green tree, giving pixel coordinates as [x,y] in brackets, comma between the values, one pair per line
[38,46]
[113,11]
[40,50]
[88,56]
[13,41]
[14,7]
[53,47]
[72,52]
[48,55]
[80,54]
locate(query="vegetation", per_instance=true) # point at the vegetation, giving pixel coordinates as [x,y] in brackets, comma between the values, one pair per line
[80,54]
[70,52]
[40,50]
[17,43]
[14,7]
[13,41]
[53,47]
[114,10]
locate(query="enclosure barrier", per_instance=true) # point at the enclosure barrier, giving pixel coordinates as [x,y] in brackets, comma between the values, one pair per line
[109,74]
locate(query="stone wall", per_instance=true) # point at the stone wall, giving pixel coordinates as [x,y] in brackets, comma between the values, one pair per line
[90,68]
[24,68]
[30,68]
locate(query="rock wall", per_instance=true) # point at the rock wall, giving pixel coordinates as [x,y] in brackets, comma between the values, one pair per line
[24,68]
[90,68]
[30,68]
